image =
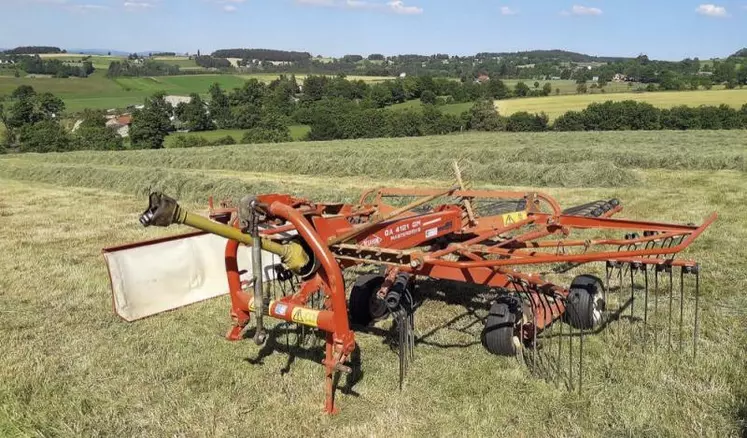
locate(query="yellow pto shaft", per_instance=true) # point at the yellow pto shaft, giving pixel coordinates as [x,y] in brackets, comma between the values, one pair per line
[164,211]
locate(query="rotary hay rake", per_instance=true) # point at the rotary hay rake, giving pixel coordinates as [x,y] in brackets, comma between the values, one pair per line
[283,257]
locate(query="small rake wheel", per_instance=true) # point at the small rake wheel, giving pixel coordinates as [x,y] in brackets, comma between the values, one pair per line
[364,306]
[499,335]
[585,302]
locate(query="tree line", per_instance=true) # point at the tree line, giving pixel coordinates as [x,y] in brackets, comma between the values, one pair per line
[32,124]
[262,54]
[31,50]
[142,67]
[266,111]
[59,69]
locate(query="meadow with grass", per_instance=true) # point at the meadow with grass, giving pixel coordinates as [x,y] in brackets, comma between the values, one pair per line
[100,92]
[71,367]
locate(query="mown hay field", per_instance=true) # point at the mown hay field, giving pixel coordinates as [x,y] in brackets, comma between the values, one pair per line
[70,367]
[555,106]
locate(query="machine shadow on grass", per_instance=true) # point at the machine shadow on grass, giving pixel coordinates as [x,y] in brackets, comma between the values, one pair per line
[300,342]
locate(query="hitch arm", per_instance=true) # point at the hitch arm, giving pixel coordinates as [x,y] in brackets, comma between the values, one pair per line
[164,211]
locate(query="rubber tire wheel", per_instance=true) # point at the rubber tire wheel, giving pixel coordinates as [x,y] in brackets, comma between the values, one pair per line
[583,299]
[359,304]
[498,334]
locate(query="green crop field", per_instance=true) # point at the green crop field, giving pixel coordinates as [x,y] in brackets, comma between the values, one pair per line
[554,106]
[70,367]
[297,133]
[100,92]
[452,108]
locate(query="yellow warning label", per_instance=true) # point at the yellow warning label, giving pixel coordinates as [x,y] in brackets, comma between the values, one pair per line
[511,218]
[305,316]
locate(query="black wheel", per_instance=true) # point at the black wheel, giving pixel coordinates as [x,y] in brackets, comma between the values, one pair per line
[498,336]
[585,302]
[364,306]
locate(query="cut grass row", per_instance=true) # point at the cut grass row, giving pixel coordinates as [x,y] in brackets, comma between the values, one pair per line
[492,156]
[555,106]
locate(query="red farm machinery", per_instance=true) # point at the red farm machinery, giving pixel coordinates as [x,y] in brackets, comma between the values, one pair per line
[283,257]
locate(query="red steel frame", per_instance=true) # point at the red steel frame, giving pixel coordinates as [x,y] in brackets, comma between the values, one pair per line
[482,250]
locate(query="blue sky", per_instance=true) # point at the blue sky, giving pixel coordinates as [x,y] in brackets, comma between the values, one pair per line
[663,29]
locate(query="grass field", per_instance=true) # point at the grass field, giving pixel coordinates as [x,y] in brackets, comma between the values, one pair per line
[98,91]
[569,86]
[297,133]
[70,367]
[554,106]
[452,108]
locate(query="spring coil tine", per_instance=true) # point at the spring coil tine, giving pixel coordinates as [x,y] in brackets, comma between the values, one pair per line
[560,336]
[570,355]
[645,303]
[697,295]
[656,305]
[682,303]
[542,301]
[581,350]
[632,306]
[608,273]
[671,297]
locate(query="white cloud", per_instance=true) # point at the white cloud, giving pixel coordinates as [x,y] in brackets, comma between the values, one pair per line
[138,6]
[88,7]
[398,7]
[582,10]
[711,10]
[317,2]
[392,6]
[230,8]
[505,10]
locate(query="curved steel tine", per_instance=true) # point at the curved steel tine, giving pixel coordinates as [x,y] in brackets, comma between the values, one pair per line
[697,295]
[644,267]
[671,298]
[632,306]
[656,305]
[682,303]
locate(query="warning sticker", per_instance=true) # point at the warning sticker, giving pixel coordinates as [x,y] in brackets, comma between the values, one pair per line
[512,218]
[305,316]
[431,232]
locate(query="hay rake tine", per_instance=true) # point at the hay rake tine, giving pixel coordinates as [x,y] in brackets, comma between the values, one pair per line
[570,356]
[671,298]
[657,269]
[696,270]
[682,304]
[632,305]
[581,350]
[645,303]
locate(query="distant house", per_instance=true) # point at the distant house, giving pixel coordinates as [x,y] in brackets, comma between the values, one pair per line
[176,100]
[120,123]
[619,77]
[482,79]
[595,79]
[554,78]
